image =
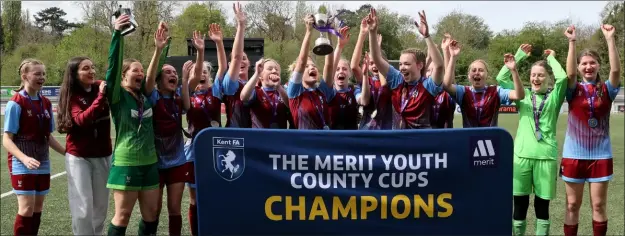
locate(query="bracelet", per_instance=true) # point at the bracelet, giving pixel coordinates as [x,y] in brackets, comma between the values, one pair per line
[571,40]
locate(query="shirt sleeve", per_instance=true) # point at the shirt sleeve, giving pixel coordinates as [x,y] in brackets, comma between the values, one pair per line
[230,85]
[394,77]
[113,73]
[295,88]
[612,91]
[504,95]
[561,84]
[504,78]
[153,98]
[434,89]
[459,93]
[570,92]
[217,90]
[12,117]
[327,91]
[357,92]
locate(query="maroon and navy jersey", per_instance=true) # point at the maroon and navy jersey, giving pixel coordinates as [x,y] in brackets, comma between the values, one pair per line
[267,109]
[587,101]
[205,109]
[309,107]
[237,114]
[378,114]
[443,111]
[168,136]
[480,108]
[30,121]
[412,102]
[343,110]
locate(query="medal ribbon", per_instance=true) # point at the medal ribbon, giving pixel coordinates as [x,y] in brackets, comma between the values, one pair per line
[273,100]
[376,92]
[406,98]
[317,107]
[479,106]
[591,100]
[39,112]
[437,106]
[538,112]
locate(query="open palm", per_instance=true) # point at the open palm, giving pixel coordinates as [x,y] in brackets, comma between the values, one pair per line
[454,48]
[214,32]
[198,40]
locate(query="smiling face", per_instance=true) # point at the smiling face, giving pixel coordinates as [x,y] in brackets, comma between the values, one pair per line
[270,76]
[588,67]
[373,68]
[204,83]
[311,72]
[34,76]
[343,73]
[132,74]
[478,74]
[169,79]
[86,72]
[539,78]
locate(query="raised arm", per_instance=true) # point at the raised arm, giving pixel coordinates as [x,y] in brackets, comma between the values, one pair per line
[160,40]
[561,84]
[113,72]
[198,43]
[342,42]
[300,65]
[615,63]
[237,48]
[215,34]
[365,90]
[248,89]
[504,76]
[328,68]
[445,47]
[184,91]
[571,57]
[518,93]
[437,59]
[376,49]
[355,62]
[450,70]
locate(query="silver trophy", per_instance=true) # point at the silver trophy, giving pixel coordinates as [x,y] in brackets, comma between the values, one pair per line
[322,44]
[128,28]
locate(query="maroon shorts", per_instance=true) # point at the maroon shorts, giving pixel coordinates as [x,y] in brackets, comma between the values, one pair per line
[30,184]
[191,180]
[178,174]
[581,171]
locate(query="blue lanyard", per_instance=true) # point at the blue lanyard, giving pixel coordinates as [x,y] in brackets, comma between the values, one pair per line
[407,97]
[274,104]
[40,112]
[318,108]
[591,100]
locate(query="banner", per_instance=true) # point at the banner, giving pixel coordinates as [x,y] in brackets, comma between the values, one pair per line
[309,182]
[6,92]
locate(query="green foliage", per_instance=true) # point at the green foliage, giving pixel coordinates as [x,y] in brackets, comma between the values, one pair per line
[11,22]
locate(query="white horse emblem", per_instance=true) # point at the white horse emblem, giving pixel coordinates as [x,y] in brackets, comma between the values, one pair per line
[227,162]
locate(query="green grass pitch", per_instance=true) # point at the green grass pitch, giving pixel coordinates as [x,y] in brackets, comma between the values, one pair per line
[56,218]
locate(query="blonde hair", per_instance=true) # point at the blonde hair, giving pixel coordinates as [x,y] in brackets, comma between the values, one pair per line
[419,56]
[483,63]
[207,65]
[25,68]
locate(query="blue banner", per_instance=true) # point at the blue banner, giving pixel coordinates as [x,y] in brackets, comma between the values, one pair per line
[308,182]
[51,91]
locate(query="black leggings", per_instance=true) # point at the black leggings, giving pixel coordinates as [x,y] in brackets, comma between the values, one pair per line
[521,203]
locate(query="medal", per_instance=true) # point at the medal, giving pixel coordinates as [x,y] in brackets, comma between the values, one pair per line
[326,127]
[214,123]
[374,113]
[537,113]
[479,105]
[593,122]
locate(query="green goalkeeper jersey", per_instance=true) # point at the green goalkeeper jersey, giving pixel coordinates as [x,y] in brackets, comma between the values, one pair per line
[134,133]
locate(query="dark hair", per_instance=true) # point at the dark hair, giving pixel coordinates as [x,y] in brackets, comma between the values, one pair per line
[419,56]
[68,87]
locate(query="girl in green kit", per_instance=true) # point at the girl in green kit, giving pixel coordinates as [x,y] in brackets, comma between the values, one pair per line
[535,145]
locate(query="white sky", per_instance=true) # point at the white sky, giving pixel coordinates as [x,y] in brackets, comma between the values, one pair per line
[498,15]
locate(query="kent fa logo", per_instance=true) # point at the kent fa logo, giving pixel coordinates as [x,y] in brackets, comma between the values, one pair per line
[484,152]
[228,157]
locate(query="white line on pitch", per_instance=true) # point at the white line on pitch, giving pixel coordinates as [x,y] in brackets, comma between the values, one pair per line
[9,193]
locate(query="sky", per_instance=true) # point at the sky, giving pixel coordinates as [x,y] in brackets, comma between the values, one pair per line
[498,15]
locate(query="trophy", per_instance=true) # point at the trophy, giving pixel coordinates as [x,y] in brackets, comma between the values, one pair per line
[125,30]
[323,24]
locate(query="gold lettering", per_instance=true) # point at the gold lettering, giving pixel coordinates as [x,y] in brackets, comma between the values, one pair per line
[449,209]
[290,208]
[346,210]
[428,207]
[365,207]
[268,211]
[394,207]
[318,209]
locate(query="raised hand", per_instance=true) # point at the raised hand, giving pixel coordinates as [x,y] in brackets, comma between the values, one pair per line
[239,15]
[186,69]
[380,40]
[345,36]
[259,66]
[103,87]
[550,52]
[160,37]
[454,48]
[526,48]
[570,33]
[198,40]
[122,21]
[364,28]
[365,65]
[214,32]
[309,20]
[446,41]
[508,59]
[608,31]
[372,20]
[422,25]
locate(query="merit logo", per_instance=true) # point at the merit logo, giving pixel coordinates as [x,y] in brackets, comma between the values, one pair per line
[484,153]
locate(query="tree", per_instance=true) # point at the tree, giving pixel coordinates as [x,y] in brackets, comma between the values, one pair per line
[98,14]
[52,17]
[468,29]
[196,16]
[11,24]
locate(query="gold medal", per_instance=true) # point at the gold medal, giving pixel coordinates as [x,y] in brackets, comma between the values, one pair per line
[214,124]
[374,113]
